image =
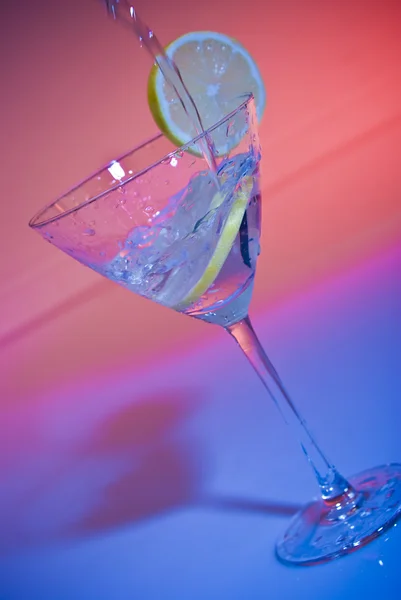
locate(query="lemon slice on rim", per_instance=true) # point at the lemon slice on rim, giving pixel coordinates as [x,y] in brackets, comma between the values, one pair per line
[217,71]
[225,241]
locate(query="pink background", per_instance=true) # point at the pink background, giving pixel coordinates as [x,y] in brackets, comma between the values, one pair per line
[73,97]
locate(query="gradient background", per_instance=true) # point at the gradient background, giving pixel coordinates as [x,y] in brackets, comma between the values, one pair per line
[136,461]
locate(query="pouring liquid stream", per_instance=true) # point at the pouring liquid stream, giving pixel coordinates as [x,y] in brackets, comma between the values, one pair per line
[122,10]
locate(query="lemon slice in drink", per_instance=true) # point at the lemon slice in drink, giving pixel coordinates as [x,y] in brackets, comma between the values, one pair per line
[225,241]
[217,71]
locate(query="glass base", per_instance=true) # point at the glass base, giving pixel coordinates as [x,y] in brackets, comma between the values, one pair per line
[323,531]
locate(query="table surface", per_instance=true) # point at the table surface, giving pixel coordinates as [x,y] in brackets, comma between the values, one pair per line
[174,480]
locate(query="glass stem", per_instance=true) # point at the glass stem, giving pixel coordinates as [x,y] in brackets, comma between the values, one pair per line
[335,489]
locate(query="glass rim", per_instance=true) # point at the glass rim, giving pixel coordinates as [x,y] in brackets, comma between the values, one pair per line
[36,222]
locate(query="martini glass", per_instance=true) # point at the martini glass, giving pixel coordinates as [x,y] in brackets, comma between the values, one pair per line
[160,223]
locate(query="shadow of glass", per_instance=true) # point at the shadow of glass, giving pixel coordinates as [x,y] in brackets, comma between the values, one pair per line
[279,509]
[138,462]
[133,464]
[161,463]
